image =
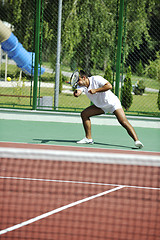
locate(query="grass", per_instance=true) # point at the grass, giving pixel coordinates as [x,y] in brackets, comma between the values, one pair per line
[145,103]
[148,82]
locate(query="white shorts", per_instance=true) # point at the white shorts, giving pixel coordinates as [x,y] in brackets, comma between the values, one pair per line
[111,108]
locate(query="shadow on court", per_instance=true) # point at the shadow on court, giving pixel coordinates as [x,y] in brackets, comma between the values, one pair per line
[43,141]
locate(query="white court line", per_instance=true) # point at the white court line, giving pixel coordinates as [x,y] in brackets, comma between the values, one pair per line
[58,210]
[75,118]
[78,182]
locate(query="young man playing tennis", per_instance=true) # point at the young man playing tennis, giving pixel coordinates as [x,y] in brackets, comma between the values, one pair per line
[98,90]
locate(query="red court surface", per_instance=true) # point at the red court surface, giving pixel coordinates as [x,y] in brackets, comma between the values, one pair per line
[79,200]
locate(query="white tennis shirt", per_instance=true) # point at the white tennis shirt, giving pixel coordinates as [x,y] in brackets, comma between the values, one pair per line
[107,100]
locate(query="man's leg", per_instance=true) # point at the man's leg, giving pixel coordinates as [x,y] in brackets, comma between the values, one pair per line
[86,114]
[119,113]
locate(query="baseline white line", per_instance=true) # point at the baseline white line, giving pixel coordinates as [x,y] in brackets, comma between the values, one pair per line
[78,182]
[75,118]
[58,210]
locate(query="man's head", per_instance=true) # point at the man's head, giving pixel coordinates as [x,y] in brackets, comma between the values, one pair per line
[83,77]
[82,74]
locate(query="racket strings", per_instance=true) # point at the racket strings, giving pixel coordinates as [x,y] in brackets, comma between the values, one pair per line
[74,79]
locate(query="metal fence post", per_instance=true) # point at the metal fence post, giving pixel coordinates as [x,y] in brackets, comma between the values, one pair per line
[119,47]
[56,94]
[37,40]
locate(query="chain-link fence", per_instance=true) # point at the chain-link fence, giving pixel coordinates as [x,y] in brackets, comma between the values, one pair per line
[88,33]
[142,45]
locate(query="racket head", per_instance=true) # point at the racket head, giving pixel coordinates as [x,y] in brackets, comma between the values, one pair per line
[74,78]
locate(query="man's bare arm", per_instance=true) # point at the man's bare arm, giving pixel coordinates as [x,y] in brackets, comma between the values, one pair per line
[104,88]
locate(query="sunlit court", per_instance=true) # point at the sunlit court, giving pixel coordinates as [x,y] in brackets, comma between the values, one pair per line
[79,120]
[66,194]
[53,188]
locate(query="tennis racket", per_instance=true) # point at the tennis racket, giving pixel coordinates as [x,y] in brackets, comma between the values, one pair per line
[74,79]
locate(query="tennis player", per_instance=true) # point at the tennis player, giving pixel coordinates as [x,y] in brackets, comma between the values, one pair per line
[98,90]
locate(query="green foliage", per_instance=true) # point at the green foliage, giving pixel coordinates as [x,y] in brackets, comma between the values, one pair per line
[65,79]
[84,38]
[73,64]
[28,38]
[48,77]
[53,61]
[158,100]
[153,69]
[88,34]
[139,88]
[108,75]
[20,87]
[126,97]
[139,69]
[88,28]
[137,26]
[60,82]
[12,71]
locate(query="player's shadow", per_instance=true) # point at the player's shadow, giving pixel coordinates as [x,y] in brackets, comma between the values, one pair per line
[114,145]
[54,140]
[43,141]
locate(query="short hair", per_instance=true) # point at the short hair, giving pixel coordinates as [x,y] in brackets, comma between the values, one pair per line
[83,73]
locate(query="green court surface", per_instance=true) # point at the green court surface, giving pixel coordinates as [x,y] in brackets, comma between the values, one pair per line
[65,129]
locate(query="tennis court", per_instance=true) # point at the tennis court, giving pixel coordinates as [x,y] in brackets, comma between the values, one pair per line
[52,188]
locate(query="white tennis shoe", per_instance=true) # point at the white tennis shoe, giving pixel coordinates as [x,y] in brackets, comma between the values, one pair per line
[86,141]
[138,144]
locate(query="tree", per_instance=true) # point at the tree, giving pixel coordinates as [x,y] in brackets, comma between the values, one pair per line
[139,69]
[127,97]
[88,29]
[88,32]
[109,76]
[158,100]
[142,37]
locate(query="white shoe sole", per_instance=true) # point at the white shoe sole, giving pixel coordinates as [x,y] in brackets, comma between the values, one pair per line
[85,141]
[139,145]
[79,142]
